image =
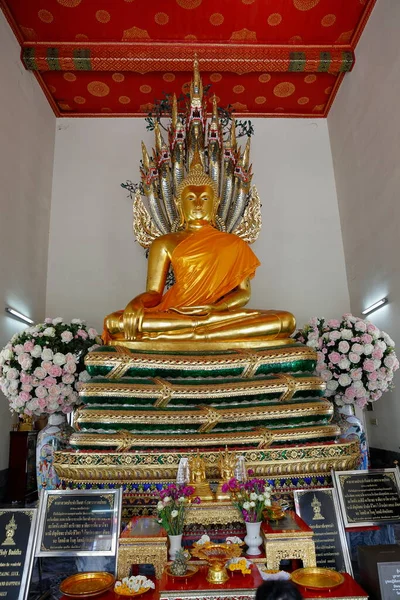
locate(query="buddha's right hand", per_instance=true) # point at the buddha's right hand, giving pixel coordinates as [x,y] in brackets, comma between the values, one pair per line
[131,318]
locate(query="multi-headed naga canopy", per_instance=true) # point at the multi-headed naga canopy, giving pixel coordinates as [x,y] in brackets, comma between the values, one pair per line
[225,164]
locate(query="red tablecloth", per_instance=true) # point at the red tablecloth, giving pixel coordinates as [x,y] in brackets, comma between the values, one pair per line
[239,585]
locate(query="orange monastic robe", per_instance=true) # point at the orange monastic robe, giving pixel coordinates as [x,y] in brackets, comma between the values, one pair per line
[207,265]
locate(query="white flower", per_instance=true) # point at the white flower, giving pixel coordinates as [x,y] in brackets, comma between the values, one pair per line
[57,320]
[312,343]
[77,321]
[26,364]
[160,506]
[377,363]
[360,326]
[174,514]
[346,334]
[357,384]
[84,376]
[344,380]
[12,374]
[326,375]
[40,373]
[267,502]
[18,349]
[59,359]
[92,333]
[368,349]
[181,499]
[253,496]
[246,505]
[357,348]
[67,336]
[355,358]
[261,498]
[381,344]
[7,353]
[344,347]
[387,339]
[36,351]
[344,363]
[49,332]
[47,354]
[167,499]
[252,504]
[41,392]
[332,384]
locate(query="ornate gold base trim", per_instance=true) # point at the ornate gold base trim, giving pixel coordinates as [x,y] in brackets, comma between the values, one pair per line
[187,346]
[139,466]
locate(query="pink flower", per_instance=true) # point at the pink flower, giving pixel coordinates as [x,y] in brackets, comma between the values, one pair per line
[48,320]
[25,378]
[377,354]
[344,346]
[46,365]
[373,376]
[361,402]
[357,348]
[68,379]
[334,357]
[49,381]
[82,334]
[66,336]
[29,346]
[389,361]
[369,365]
[350,392]
[366,338]
[334,323]
[55,371]
[334,335]
[42,403]
[360,325]
[92,333]
[12,374]
[26,387]
[70,367]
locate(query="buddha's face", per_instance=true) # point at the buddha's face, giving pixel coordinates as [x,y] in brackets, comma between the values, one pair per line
[197,203]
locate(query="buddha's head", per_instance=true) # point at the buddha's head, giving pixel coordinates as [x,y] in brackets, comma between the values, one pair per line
[197,197]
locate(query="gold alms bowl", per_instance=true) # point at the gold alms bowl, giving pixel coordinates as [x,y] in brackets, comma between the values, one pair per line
[216,555]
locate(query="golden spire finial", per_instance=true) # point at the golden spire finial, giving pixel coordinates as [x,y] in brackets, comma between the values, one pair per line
[174,113]
[196,86]
[214,118]
[145,155]
[246,155]
[233,135]
[196,164]
[158,136]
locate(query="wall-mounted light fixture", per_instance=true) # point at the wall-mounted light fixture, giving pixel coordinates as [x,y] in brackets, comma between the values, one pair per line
[375,306]
[17,315]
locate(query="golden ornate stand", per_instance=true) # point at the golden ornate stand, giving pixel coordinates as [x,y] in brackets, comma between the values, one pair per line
[287,539]
[143,541]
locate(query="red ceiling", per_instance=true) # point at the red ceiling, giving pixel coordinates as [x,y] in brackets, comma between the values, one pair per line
[114,57]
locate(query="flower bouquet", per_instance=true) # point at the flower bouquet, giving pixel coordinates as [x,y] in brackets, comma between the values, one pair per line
[355,359]
[41,368]
[250,497]
[173,501]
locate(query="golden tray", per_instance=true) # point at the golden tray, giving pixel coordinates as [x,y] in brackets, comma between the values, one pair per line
[86,585]
[317,578]
[192,570]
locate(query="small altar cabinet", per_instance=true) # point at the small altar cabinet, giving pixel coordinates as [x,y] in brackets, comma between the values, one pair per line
[143,541]
[288,538]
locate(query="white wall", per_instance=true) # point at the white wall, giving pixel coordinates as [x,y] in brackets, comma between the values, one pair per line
[364,126]
[27,129]
[95,266]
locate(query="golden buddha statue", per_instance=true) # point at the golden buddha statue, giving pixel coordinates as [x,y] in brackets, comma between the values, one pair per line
[226,463]
[198,479]
[204,216]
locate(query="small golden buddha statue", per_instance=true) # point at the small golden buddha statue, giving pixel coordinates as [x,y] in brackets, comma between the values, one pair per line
[198,479]
[226,463]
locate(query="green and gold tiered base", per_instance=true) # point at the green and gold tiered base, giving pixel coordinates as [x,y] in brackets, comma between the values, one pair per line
[143,410]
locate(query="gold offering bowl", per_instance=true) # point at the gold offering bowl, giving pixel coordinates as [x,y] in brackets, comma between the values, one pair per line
[274,512]
[216,555]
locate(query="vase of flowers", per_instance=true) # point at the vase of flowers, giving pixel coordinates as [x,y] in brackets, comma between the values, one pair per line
[172,504]
[41,371]
[355,359]
[250,497]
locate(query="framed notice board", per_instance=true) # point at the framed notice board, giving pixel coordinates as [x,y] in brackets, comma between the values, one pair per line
[368,497]
[320,510]
[389,580]
[17,543]
[79,523]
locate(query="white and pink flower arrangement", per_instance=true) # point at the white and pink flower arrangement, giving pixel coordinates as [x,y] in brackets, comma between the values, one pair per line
[355,358]
[42,367]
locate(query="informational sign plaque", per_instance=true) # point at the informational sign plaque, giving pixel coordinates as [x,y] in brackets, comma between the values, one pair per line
[368,497]
[79,523]
[389,580]
[320,510]
[17,533]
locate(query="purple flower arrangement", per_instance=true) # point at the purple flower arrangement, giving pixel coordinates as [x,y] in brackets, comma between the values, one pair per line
[250,497]
[173,501]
